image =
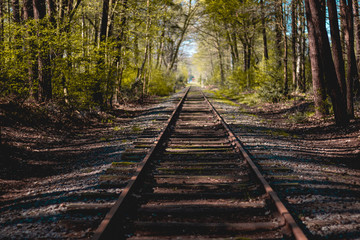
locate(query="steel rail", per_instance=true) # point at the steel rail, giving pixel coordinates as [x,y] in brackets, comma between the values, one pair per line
[289,220]
[109,228]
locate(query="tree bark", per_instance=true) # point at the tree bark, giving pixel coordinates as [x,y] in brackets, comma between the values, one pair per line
[16,11]
[98,92]
[263,26]
[336,45]
[232,50]
[278,32]
[222,73]
[44,76]
[104,20]
[188,17]
[357,30]
[317,16]
[146,53]
[1,32]
[302,48]
[352,74]
[316,67]
[235,42]
[294,43]
[28,12]
[285,56]
[1,22]
[119,57]
[160,46]
[357,41]
[51,11]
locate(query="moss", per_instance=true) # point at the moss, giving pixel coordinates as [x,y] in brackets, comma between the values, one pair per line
[301,117]
[279,133]
[136,129]
[117,128]
[123,163]
[113,177]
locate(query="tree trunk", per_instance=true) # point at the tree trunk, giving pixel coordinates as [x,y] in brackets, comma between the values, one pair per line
[278,32]
[294,43]
[222,73]
[189,15]
[232,50]
[160,47]
[357,41]
[1,21]
[263,26]
[146,54]
[357,30]
[317,11]
[104,20]
[16,10]
[44,76]
[51,11]
[316,67]
[336,45]
[302,49]
[352,73]
[120,39]
[98,92]
[285,56]
[28,11]
[1,33]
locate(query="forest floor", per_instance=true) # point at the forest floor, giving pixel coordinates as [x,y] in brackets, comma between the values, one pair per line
[312,164]
[43,158]
[48,159]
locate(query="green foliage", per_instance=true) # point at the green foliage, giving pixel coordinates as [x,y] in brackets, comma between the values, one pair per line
[269,81]
[86,73]
[239,80]
[301,117]
[161,84]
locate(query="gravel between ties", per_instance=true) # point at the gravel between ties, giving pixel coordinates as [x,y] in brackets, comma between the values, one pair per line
[306,170]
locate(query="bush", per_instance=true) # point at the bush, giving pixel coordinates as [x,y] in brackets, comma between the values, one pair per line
[269,81]
[161,84]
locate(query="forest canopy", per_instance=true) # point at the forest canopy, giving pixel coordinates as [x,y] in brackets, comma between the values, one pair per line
[89,54]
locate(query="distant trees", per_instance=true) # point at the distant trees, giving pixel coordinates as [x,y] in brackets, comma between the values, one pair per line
[91,53]
[278,41]
[96,53]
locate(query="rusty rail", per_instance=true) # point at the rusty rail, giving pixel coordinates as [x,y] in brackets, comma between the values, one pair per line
[108,228]
[289,220]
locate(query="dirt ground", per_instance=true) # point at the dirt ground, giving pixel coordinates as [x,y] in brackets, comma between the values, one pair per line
[48,161]
[313,164]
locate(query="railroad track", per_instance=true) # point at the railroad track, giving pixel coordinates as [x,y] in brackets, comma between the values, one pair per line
[196,182]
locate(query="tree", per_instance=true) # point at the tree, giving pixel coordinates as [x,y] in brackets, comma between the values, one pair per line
[263,23]
[357,35]
[336,45]
[285,57]
[44,74]
[352,73]
[315,12]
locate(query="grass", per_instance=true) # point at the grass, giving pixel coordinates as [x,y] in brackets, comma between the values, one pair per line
[113,177]
[123,163]
[106,138]
[117,128]
[301,117]
[279,133]
[136,129]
